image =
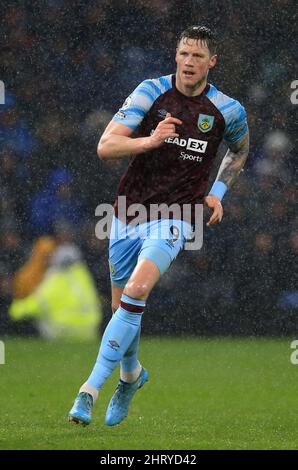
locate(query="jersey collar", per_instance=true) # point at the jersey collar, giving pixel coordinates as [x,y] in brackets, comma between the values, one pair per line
[204,92]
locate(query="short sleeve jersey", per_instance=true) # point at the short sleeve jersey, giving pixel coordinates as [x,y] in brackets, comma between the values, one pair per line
[178,171]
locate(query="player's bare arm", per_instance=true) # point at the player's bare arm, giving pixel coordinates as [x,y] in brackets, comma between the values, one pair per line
[233,161]
[116,141]
[230,168]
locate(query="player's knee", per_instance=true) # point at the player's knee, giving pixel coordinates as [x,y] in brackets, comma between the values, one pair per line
[137,290]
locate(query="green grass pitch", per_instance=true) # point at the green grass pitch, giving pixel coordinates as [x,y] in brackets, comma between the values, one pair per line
[218,393]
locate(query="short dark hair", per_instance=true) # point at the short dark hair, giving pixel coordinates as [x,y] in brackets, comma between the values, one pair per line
[200,33]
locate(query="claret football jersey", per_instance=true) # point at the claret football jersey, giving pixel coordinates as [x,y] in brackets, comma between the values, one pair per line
[178,171]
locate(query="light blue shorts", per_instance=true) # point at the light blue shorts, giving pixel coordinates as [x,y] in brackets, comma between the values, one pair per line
[157,240]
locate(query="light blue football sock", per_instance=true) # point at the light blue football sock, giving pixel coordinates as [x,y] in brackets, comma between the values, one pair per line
[118,336]
[129,361]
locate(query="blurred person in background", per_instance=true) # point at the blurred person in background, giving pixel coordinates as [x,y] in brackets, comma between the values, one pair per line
[30,275]
[55,288]
[14,131]
[275,162]
[56,202]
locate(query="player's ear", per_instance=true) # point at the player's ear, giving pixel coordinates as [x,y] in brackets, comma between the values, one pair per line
[213,61]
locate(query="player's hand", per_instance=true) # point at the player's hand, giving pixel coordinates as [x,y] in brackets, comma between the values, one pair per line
[165,129]
[214,203]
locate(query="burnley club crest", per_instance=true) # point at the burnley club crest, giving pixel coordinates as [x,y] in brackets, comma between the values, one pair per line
[205,122]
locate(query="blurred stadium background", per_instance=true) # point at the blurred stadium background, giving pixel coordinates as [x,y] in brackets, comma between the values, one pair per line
[67,66]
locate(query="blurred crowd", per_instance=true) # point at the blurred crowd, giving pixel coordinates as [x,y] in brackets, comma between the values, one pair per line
[67,67]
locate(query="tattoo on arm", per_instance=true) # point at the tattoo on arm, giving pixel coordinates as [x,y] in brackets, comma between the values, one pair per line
[233,161]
